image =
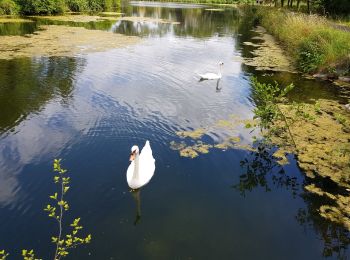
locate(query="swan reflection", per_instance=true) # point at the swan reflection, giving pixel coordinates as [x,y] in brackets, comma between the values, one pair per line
[218,88]
[136,195]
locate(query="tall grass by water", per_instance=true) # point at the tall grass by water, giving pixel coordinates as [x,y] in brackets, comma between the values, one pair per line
[316,44]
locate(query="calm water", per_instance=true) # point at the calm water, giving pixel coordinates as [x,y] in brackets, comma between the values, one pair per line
[90,109]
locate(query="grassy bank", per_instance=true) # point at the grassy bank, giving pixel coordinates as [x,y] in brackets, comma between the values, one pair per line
[314,43]
[52,7]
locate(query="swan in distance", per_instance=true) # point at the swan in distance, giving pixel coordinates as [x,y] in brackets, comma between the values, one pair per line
[141,168]
[210,75]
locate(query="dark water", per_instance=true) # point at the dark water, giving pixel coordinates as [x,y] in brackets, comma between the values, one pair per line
[90,109]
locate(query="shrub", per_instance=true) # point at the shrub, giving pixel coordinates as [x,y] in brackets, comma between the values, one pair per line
[42,6]
[77,5]
[8,7]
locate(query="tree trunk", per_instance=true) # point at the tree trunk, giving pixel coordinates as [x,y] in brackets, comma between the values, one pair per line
[308,6]
[282,2]
[298,2]
[291,3]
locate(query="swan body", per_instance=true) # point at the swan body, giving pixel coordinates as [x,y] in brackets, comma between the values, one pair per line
[210,75]
[141,168]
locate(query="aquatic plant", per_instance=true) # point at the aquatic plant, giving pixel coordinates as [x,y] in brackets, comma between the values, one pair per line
[63,242]
[267,97]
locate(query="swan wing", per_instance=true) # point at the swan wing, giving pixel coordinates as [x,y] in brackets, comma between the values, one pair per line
[130,172]
[147,163]
[210,76]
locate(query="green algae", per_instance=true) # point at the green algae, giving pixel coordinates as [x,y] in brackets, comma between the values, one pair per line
[338,210]
[191,151]
[281,156]
[195,134]
[268,55]
[75,18]
[54,40]
[139,19]
[228,126]
[14,19]
[322,150]
[215,9]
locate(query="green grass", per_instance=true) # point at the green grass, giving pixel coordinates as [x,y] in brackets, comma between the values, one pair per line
[312,40]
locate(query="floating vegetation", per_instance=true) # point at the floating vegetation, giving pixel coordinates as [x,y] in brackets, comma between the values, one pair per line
[14,19]
[321,133]
[215,9]
[229,143]
[75,18]
[268,55]
[199,147]
[338,211]
[139,19]
[191,151]
[55,40]
[195,134]
[111,13]
[281,156]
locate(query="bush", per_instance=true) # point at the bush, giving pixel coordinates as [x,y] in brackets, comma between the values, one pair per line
[77,5]
[8,7]
[310,56]
[95,5]
[42,6]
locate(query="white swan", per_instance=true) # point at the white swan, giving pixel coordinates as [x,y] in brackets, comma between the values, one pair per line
[141,168]
[211,75]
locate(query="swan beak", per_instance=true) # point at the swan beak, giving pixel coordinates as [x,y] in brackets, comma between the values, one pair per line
[132,156]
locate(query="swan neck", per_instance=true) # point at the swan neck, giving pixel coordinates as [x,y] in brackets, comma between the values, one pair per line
[136,167]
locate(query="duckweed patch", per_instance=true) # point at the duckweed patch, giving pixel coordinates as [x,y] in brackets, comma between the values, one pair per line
[215,9]
[139,19]
[195,134]
[322,149]
[14,19]
[55,40]
[268,55]
[193,150]
[75,18]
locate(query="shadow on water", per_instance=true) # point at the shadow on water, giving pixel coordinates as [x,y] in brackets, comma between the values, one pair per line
[261,171]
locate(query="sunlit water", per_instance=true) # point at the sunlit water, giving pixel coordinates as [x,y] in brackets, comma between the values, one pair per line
[90,109]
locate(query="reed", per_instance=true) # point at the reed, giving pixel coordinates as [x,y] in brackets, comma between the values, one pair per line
[316,44]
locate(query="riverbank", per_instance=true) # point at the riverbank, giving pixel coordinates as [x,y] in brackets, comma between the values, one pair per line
[316,46]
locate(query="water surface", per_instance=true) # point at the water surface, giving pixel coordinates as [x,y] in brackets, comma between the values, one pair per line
[90,109]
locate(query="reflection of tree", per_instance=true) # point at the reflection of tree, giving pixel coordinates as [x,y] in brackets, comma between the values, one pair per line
[195,22]
[262,170]
[27,84]
[335,237]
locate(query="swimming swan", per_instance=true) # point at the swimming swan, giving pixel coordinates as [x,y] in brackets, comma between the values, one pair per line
[212,75]
[141,168]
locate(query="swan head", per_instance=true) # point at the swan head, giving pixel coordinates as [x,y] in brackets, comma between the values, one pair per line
[134,151]
[221,63]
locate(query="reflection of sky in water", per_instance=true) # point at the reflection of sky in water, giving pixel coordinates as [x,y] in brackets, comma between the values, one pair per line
[157,87]
[149,91]
[165,5]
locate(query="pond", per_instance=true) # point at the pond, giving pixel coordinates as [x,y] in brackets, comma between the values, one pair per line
[90,108]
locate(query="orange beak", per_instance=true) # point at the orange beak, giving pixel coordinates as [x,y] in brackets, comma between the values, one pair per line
[132,156]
